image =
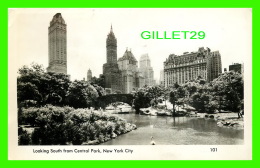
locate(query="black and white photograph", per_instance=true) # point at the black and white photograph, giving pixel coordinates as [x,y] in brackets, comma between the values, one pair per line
[130,81]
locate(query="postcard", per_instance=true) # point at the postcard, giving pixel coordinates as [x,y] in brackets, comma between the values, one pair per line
[130,84]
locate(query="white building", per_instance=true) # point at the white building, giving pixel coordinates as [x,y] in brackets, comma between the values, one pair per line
[147,70]
[131,79]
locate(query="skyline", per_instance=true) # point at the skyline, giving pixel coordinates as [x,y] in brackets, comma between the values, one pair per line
[227,30]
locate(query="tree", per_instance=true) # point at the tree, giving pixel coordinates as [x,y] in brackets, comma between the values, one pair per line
[81,94]
[154,92]
[176,96]
[141,99]
[173,98]
[57,88]
[38,88]
[34,84]
[99,89]
[27,91]
[98,81]
[223,93]
[229,87]
[28,83]
[201,99]
[165,94]
[192,87]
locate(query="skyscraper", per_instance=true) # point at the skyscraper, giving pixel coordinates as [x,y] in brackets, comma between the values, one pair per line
[111,45]
[214,65]
[161,81]
[122,75]
[57,45]
[147,70]
[110,68]
[89,75]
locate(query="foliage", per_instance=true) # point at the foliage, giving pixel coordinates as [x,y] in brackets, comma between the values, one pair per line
[39,116]
[176,95]
[34,84]
[24,137]
[82,94]
[146,96]
[100,90]
[173,99]
[200,100]
[98,81]
[36,88]
[229,88]
[60,126]
[27,91]
[223,93]
[154,92]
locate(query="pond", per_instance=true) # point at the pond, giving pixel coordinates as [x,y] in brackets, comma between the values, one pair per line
[177,131]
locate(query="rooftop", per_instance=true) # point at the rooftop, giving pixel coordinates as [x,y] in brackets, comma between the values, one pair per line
[128,56]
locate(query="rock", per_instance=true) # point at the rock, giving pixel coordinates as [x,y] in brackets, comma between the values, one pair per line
[107,139]
[211,116]
[94,142]
[134,127]
[232,124]
[226,123]
[113,135]
[118,132]
[219,123]
[101,139]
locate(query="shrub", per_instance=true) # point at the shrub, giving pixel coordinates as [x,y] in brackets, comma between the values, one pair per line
[60,126]
[23,138]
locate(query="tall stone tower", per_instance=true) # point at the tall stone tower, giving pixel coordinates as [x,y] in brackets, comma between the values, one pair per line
[89,75]
[110,69]
[111,45]
[57,45]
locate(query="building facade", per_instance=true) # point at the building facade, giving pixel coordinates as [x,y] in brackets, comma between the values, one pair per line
[146,70]
[214,65]
[236,67]
[189,66]
[131,78]
[161,81]
[57,45]
[122,75]
[110,68]
[89,75]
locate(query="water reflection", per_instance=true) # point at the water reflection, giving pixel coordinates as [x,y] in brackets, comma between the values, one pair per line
[177,131]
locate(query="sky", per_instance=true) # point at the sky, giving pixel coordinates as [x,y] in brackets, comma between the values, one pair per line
[227,30]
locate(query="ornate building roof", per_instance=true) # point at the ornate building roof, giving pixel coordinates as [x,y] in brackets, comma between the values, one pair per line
[128,56]
[187,57]
[111,35]
[57,18]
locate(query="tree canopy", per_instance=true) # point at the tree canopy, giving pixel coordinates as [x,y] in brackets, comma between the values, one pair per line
[36,85]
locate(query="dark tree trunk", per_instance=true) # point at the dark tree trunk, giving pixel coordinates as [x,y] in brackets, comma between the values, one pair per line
[173,110]
[137,110]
